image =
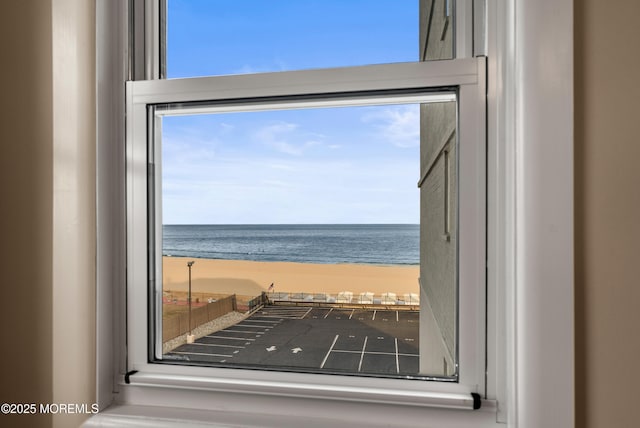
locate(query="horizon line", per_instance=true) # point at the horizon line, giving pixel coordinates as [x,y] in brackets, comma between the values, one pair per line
[291,224]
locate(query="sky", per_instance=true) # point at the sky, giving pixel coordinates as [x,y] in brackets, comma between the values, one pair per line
[322,165]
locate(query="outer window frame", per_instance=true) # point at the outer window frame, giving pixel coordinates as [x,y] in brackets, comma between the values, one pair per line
[467,75]
[525,316]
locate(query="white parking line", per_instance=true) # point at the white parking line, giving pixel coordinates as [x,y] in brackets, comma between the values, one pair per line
[330,349]
[397,318]
[328,313]
[265,321]
[252,326]
[213,344]
[283,312]
[352,311]
[281,317]
[362,356]
[239,331]
[306,313]
[231,338]
[200,353]
[374,316]
[397,359]
[344,351]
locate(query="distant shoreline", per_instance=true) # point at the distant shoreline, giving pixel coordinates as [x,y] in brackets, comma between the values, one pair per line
[310,263]
[253,277]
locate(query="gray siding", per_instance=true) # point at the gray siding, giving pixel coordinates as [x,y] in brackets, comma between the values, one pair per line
[436,32]
[438,231]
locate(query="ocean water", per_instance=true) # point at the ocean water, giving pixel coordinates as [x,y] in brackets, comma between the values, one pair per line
[387,244]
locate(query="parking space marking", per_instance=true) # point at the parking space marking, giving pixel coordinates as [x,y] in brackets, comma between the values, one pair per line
[329,352]
[252,326]
[397,359]
[349,349]
[263,321]
[364,346]
[344,351]
[228,330]
[231,338]
[213,344]
[200,353]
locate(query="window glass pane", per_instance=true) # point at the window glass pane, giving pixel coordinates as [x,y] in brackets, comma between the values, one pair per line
[298,235]
[218,37]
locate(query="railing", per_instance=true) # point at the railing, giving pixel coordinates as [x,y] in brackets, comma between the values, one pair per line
[177,325]
[257,301]
[346,298]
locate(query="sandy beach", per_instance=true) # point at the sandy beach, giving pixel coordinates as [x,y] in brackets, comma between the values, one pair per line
[251,278]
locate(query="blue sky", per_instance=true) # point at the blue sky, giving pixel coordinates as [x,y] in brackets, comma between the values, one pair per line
[207,37]
[337,165]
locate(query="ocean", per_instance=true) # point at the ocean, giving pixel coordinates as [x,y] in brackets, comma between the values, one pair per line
[385,244]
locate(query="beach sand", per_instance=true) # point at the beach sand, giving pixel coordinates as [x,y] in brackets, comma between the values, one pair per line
[250,278]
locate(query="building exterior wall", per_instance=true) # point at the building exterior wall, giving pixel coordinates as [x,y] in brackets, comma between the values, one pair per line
[438,237]
[438,206]
[436,30]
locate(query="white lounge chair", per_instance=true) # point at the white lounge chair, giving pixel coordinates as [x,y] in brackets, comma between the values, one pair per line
[344,297]
[388,299]
[411,299]
[320,297]
[366,298]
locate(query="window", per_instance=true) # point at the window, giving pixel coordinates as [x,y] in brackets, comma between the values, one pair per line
[393,391]
[429,340]
[320,202]
[153,103]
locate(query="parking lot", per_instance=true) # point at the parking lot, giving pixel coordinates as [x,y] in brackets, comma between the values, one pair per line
[336,340]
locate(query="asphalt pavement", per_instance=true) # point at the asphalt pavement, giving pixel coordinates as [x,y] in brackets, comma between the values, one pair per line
[330,340]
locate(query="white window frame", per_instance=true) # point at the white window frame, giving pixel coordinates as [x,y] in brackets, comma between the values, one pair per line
[467,75]
[530,261]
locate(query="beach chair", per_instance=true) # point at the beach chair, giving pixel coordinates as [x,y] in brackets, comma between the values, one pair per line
[320,297]
[297,297]
[411,299]
[279,297]
[388,299]
[344,297]
[366,298]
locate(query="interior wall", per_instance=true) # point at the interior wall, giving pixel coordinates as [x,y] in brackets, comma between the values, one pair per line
[47,207]
[26,172]
[74,201]
[607,229]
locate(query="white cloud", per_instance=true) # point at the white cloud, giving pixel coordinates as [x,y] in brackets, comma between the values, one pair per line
[287,138]
[399,125]
[276,65]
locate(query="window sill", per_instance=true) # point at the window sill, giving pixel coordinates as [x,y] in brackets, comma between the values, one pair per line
[389,392]
[292,415]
